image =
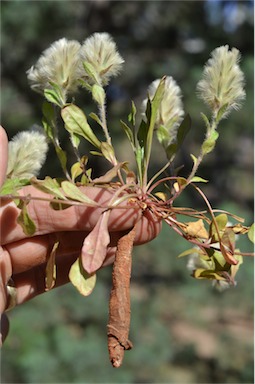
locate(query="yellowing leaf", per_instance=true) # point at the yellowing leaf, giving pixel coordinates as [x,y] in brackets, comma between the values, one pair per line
[50,278]
[196,229]
[83,281]
[76,170]
[208,274]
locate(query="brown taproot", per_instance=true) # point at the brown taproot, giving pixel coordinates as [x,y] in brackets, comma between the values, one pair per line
[119,306]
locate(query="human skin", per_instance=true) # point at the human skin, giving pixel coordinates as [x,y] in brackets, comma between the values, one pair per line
[23,258]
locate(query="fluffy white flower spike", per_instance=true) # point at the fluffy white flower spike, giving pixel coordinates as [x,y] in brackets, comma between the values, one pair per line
[26,154]
[58,64]
[170,111]
[99,50]
[223,81]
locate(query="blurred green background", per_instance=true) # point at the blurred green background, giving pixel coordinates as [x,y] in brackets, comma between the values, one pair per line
[182,329]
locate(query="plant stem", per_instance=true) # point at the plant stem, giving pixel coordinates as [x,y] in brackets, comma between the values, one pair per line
[119,306]
[102,111]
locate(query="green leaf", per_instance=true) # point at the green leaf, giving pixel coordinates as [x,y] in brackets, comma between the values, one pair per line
[251,233]
[25,220]
[209,143]
[129,133]
[221,221]
[194,158]
[51,269]
[61,156]
[76,122]
[108,151]
[83,281]
[221,112]
[54,97]
[132,115]
[98,94]
[11,186]
[96,118]
[49,185]
[91,72]
[162,134]
[78,168]
[48,119]
[206,121]
[197,179]
[74,193]
[183,130]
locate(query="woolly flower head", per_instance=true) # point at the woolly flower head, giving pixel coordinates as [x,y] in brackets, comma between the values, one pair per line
[58,64]
[170,112]
[26,154]
[223,81]
[99,50]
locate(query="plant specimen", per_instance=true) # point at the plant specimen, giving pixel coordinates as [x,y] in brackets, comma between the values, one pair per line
[68,67]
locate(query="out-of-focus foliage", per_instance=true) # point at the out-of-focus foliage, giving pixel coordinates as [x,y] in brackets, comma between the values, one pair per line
[183,331]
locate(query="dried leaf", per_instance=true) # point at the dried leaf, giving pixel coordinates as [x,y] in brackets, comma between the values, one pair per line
[83,281]
[95,245]
[109,176]
[196,229]
[50,277]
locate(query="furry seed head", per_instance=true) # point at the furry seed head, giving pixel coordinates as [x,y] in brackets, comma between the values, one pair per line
[58,64]
[170,111]
[26,154]
[99,50]
[223,81]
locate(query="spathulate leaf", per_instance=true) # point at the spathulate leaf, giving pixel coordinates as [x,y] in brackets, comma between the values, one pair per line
[11,186]
[49,185]
[91,71]
[108,151]
[209,143]
[53,96]
[74,193]
[132,115]
[76,122]
[83,281]
[198,179]
[207,122]
[25,220]
[95,245]
[251,233]
[98,94]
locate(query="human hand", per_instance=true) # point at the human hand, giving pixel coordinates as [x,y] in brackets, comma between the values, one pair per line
[23,259]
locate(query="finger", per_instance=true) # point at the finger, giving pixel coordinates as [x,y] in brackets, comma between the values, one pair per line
[31,283]
[75,218]
[3,154]
[28,253]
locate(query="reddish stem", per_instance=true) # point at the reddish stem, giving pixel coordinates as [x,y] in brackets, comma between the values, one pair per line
[119,306]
